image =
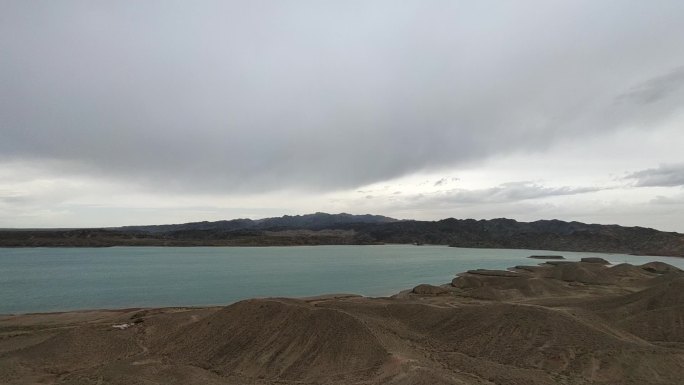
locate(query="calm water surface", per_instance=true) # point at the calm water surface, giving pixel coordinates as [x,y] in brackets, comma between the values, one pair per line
[57,279]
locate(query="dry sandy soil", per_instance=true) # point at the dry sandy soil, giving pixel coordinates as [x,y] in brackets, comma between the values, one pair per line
[555,323]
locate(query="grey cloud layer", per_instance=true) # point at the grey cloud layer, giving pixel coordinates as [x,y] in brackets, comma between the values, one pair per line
[504,193]
[668,175]
[656,89]
[263,95]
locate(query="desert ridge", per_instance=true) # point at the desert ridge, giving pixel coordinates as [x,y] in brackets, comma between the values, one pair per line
[554,323]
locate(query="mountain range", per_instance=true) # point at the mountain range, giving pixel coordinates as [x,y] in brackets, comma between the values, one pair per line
[343,229]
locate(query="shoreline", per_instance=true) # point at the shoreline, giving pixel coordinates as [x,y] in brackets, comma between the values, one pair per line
[538,324]
[179,307]
[340,244]
[325,296]
[462,260]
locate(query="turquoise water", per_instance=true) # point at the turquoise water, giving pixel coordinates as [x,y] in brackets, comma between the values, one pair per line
[58,279]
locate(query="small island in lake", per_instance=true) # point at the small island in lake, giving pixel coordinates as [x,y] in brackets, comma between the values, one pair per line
[546,257]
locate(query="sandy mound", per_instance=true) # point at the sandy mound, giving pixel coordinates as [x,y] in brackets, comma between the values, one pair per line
[496,340]
[426,289]
[660,268]
[520,335]
[625,270]
[588,273]
[536,270]
[555,263]
[284,339]
[509,288]
[82,347]
[667,294]
[554,341]
[149,373]
[549,279]
[659,325]
[594,260]
[655,313]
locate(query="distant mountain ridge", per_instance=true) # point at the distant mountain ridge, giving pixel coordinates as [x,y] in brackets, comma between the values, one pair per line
[542,234]
[348,229]
[316,221]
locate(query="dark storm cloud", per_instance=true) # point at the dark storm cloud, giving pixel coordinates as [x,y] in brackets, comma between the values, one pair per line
[266,95]
[668,175]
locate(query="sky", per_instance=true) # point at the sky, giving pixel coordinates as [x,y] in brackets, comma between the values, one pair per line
[127,112]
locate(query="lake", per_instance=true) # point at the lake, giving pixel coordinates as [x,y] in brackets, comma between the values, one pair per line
[60,279]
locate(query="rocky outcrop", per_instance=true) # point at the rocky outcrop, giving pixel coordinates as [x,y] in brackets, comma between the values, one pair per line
[426,289]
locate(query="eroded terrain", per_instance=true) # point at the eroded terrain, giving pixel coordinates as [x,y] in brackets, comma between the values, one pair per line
[554,323]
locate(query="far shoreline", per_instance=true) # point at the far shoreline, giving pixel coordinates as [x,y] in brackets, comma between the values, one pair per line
[334,245]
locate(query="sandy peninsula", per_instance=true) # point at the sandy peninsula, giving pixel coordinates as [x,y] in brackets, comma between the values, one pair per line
[554,323]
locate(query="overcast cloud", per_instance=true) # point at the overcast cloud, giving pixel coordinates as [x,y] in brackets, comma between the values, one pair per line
[221,101]
[507,192]
[665,175]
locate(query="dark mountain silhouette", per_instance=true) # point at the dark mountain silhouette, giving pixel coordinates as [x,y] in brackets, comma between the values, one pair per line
[324,229]
[317,221]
